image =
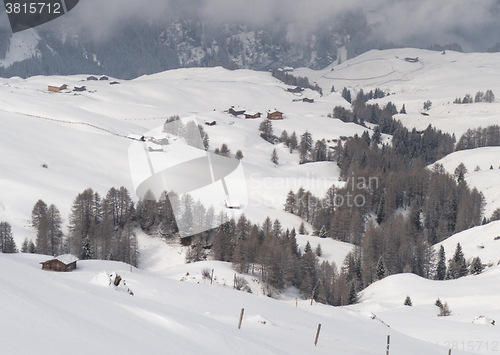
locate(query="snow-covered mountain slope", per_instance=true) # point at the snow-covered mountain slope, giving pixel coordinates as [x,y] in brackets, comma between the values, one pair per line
[478,241]
[437,77]
[46,312]
[468,298]
[485,179]
[80,156]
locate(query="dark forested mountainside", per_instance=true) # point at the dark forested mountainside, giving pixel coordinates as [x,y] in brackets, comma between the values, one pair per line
[143,47]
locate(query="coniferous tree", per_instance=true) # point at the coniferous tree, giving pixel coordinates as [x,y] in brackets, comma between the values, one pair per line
[7,243]
[441,264]
[346,94]
[31,247]
[403,110]
[305,147]
[353,294]
[476,266]
[224,150]
[439,303]
[266,131]
[459,260]
[239,154]
[24,247]
[292,144]
[318,250]
[37,213]
[489,96]
[302,228]
[284,138]
[381,272]
[274,157]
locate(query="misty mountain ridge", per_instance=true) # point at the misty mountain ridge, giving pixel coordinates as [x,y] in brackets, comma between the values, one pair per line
[146,47]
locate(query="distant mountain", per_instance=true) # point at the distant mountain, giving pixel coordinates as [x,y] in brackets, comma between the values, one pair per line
[146,47]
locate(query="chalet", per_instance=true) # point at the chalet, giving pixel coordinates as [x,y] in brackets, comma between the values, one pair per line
[103,77]
[295,90]
[114,83]
[235,111]
[412,60]
[136,137]
[275,115]
[306,99]
[250,114]
[232,204]
[91,78]
[153,147]
[57,88]
[66,262]
[81,88]
[210,123]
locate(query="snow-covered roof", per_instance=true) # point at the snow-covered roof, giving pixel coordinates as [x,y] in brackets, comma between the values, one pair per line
[232,203]
[66,258]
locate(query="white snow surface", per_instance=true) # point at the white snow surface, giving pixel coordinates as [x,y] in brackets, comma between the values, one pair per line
[49,313]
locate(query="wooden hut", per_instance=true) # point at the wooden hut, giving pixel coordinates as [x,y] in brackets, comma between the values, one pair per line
[104,77]
[57,88]
[235,111]
[306,99]
[250,114]
[275,115]
[80,88]
[91,78]
[66,262]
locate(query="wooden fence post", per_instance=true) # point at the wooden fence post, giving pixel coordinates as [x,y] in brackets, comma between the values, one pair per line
[388,344]
[241,318]
[449,352]
[212,277]
[317,335]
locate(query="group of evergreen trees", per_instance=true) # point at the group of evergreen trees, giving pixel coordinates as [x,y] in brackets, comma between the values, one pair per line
[300,81]
[479,97]
[361,96]
[273,254]
[457,265]
[479,137]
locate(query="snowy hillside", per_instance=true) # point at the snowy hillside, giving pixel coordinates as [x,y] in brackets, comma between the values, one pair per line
[435,76]
[485,179]
[46,312]
[478,241]
[469,298]
[80,156]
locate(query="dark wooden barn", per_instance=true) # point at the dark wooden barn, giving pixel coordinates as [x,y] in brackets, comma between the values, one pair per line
[306,99]
[252,115]
[66,262]
[91,78]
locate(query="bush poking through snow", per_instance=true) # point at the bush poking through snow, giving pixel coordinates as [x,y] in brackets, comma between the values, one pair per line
[444,310]
[206,273]
[439,303]
[241,284]
[408,301]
